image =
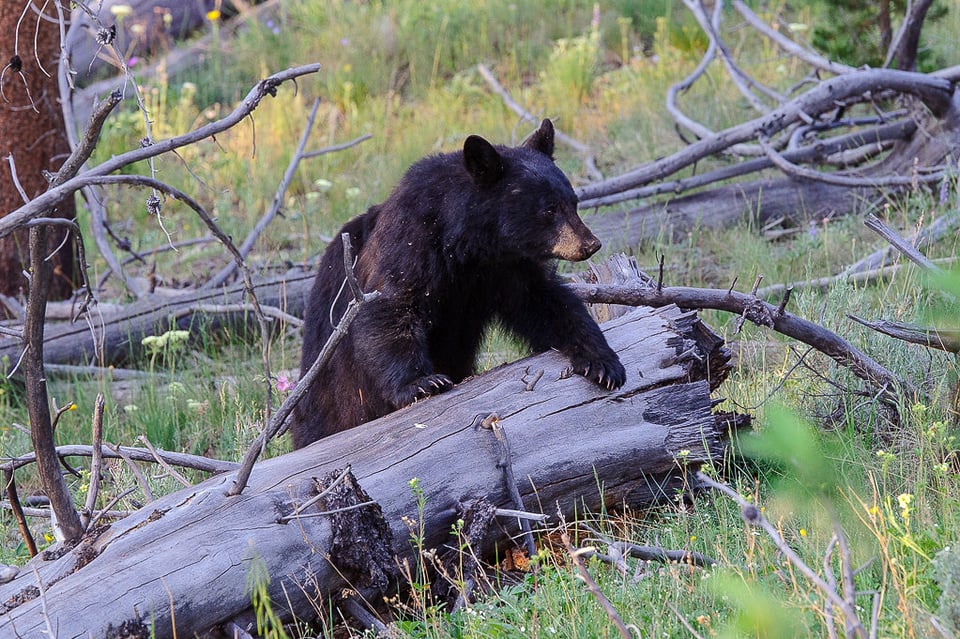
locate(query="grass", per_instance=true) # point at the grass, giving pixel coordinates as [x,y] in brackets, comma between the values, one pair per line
[604,77]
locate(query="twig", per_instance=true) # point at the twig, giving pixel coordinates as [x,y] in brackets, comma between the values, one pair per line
[520,514]
[183,460]
[855,277]
[16,178]
[268,311]
[753,516]
[788,45]
[876,225]
[106,512]
[944,339]
[356,609]
[18,513]
[941,227]
[137,473]
[842,179]
[744,83]
[320,495]
[160,460]
[612,614]
[96,461]
[278,197]
[277,420]
[505,464]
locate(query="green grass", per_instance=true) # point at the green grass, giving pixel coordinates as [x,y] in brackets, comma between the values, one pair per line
[404,72]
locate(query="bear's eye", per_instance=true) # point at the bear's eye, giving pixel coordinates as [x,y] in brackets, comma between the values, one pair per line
[550,212]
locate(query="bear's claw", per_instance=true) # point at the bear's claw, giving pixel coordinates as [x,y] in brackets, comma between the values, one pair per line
[424,387]
[609,374]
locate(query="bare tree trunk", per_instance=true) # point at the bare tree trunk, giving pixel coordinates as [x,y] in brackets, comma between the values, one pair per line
[32,132]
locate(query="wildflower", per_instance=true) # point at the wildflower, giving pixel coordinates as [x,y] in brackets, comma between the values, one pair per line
[904,499]
[803,532]
[213,15]
[284,384]
[121,11]
[132,62]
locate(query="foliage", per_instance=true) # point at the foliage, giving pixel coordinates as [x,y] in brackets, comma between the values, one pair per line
[859,32]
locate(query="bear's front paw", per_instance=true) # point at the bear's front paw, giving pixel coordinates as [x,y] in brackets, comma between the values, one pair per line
[607,373]
[424,387]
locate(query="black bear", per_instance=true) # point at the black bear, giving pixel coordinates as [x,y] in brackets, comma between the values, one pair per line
[465,239]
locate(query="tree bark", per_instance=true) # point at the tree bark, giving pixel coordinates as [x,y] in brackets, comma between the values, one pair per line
[32,132]
[180,564]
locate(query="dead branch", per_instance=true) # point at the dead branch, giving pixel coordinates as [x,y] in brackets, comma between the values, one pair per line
[38,407]
[608,608]
[753,516]
[876,225]
[934,92]
[944,339]
[108,451]
[275,205]
[789,46]
[267,86]
[278,420]
[645,293]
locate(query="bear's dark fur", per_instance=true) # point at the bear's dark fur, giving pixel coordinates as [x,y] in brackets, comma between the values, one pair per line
[465,239]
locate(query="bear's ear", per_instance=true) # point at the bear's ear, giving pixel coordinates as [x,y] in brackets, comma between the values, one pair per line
[542,139]
[483,161]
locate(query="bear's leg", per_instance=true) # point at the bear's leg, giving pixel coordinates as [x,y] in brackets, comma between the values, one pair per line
[390,341]
[542,311]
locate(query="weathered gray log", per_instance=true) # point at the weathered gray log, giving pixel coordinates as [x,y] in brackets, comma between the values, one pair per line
[116,338]
[574,447]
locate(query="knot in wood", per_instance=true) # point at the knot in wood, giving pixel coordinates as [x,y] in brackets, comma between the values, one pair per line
[758,312]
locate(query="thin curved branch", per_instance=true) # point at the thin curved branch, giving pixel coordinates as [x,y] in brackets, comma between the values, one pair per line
[265,87]
[581,148]
[744,83]
[788,45]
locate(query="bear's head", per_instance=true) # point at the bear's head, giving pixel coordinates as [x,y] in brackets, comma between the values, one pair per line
[533,200]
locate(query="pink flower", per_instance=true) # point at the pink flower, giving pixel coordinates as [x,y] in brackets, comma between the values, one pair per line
[284,384]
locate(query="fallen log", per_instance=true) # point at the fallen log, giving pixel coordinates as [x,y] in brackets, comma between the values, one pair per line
[179,565]
[115,338]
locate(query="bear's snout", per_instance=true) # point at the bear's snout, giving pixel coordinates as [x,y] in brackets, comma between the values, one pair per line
[575,242]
